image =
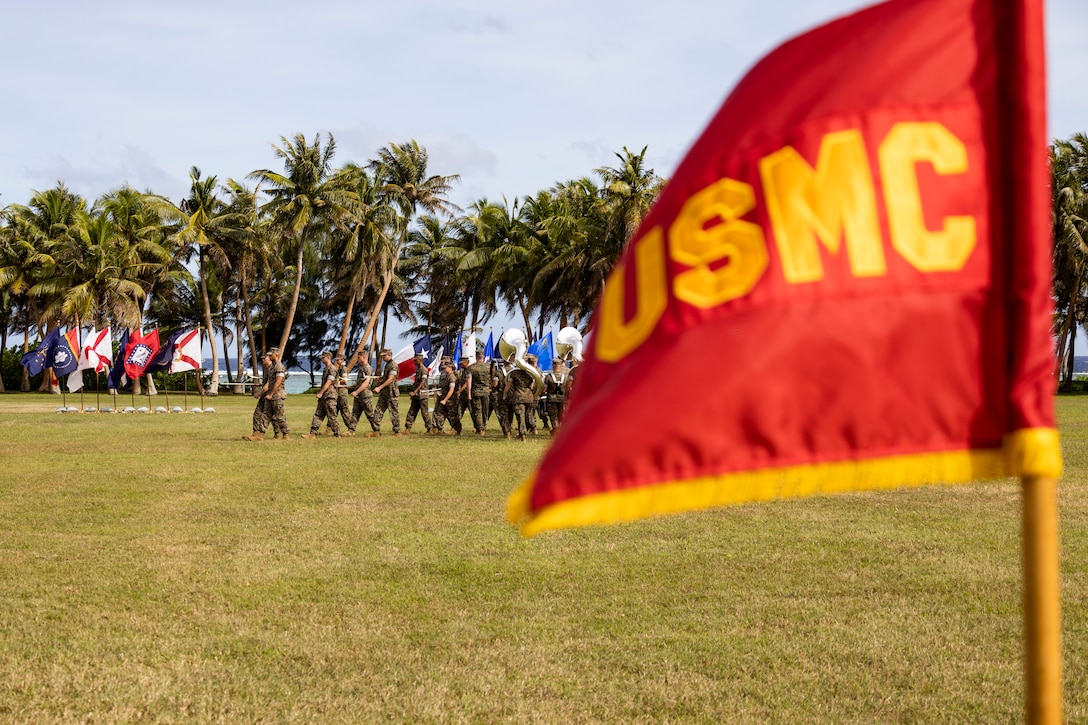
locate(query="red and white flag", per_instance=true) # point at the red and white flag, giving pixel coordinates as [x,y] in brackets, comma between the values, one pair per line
[95,353]
[186,352]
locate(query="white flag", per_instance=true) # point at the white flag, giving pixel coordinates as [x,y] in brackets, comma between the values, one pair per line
[186,352]
[95,353]
[469,348]
[98,347]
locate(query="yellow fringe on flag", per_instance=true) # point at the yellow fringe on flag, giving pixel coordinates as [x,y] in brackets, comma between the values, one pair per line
[1027,452]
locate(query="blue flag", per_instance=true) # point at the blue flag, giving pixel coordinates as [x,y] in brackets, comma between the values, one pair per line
[162,359]
[543,349]
[423,345]
[457,350]
[117,378]
[489,348]
[57,351]
[34,361]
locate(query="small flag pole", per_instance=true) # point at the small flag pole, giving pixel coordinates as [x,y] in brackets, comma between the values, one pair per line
[82,409]
[200,389]
[148,389]
[97,392]
[1042,601]
[185,397]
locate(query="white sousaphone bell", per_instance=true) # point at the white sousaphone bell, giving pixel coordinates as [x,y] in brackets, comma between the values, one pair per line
[568,344]
[512,346]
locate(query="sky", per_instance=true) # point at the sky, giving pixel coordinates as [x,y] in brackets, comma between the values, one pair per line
[512,96]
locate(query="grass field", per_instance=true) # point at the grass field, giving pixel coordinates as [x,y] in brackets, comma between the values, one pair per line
[157,568]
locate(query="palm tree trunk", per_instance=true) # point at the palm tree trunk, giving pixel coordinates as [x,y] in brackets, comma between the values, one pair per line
[3,350]
[24,384]
[525,315]
[213,386]
[347,325]
[298,288]
[387,281]
[238,329]
[253,356]
[385,324]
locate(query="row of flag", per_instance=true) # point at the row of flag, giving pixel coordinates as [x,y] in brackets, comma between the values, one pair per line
[138,354]
[464,346]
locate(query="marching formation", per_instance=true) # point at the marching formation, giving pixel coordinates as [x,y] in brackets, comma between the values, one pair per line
[509,385]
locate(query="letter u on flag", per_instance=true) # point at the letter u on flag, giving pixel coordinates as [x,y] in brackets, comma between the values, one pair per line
[844,286]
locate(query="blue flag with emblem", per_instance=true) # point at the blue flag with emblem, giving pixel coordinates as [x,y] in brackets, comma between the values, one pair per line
[543,349]
[56,351]
[34,361]
[489,348]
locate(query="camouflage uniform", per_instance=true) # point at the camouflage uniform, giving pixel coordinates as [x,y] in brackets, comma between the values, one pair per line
[275,401]
[418,398]
[343,397]
[326,403]
[463,402]
[260,412]
[481,394]
[388,397]
[523,400]
[498,398]
[442,411]
[553,388]
[364,399]
[568,384]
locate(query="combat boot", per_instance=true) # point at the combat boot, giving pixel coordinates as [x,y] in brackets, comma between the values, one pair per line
[373,434]
[254,436]
[308,436]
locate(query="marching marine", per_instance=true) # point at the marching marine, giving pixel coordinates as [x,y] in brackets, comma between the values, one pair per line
[276,394]
[363,395]
[555,389]
[260,392]
[388,395]
[343,400]
[479,393]
[418,395]
[326,399]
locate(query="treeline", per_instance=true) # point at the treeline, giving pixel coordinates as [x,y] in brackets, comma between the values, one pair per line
[315,255]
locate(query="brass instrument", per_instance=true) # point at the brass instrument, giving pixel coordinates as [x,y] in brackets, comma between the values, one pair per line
[512,347]
[568,344]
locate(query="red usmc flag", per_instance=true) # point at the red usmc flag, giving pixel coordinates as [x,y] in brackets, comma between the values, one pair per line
[845,286]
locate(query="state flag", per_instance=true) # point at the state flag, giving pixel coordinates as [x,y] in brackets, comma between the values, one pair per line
[139,352]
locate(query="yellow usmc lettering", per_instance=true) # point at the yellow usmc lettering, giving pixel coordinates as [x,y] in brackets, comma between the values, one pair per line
[809,208]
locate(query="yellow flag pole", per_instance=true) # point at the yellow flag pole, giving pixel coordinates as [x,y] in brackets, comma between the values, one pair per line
[1042,602]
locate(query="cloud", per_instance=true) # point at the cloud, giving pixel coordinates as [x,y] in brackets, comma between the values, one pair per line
[94,176]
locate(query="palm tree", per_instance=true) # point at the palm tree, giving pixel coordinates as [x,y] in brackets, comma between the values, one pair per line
[248,252]
[306,196]
[207,227]
[401,170]
[96,276]
[430,274]
[628,192]
[40,227]
[1069,170]
[357,255]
